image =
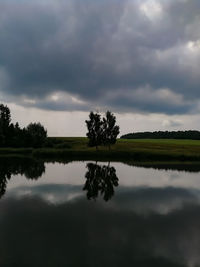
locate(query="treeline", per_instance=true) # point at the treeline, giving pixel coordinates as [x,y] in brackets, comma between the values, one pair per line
[11,135]
[193,135]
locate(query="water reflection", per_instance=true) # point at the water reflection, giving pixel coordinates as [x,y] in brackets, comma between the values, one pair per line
[82,233]
[146,224]
[31,168]
[176,166]
[100,179]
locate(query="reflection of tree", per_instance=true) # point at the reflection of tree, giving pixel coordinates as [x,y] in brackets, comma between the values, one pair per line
[32,169]
[100,179]
[4,177]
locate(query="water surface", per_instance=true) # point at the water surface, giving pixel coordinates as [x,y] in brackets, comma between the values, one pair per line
[98,214]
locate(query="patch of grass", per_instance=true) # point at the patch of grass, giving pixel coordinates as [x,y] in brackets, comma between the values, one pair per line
[4,151]
[124,149]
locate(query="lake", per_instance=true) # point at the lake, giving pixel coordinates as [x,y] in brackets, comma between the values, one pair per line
[98,214]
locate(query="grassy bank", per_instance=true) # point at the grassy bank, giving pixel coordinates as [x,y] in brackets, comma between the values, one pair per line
[140,149]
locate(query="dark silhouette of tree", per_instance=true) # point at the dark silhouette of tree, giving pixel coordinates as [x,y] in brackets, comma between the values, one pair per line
[193,135]
[5,116]
[37,134]
[13,136]
[110,130]
[94,125]
[102,132]
[5,119]
[100,180]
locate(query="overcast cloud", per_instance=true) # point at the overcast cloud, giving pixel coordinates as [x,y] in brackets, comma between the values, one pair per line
[127,55]
[135,56]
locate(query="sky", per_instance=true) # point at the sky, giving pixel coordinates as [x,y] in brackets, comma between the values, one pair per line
[60,59]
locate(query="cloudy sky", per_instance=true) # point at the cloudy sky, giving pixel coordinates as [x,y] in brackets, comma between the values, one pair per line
[59,59]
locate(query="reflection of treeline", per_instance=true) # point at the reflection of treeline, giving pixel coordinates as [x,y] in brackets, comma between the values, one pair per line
[100,179]
[11,135]
[32,169]
[177,166]
[194,135]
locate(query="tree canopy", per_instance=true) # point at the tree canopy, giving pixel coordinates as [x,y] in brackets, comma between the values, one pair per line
[102,131]
[37,134]
[110,130]
[95,129]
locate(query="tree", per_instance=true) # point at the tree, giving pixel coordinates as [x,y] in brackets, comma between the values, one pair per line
[102,132]
[5,119]
[37,134]
[110,130]
[11,135]
[94,125]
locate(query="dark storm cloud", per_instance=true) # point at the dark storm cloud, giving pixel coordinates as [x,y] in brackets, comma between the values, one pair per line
[126,55]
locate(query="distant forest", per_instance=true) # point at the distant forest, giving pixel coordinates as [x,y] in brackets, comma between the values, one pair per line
[193,135]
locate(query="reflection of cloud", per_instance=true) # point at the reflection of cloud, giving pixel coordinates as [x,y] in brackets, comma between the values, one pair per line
[52,193]
[82,233]
[141,200]
[146,201]
[140,226]
[157,177]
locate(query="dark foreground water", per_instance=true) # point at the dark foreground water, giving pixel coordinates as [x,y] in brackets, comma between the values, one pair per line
[98,214]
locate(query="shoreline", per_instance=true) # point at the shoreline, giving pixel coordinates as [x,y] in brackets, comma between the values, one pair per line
[143,150]
[13,159]
[137,155]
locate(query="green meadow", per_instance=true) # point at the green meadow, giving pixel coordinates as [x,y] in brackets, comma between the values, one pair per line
[124,149]
[137,149]
[80,143]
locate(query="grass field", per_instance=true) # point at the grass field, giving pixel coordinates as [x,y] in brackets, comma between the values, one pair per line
[135,149]
[80,143]
[124,149]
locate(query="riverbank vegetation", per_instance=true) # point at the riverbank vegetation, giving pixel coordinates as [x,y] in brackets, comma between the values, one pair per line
[137,150]
[102,133]
[126,149]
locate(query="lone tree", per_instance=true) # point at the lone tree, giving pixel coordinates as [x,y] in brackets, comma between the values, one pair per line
[110,130]
[94,125]
[102,132]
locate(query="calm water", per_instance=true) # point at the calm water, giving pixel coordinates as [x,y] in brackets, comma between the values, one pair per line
[98,214]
